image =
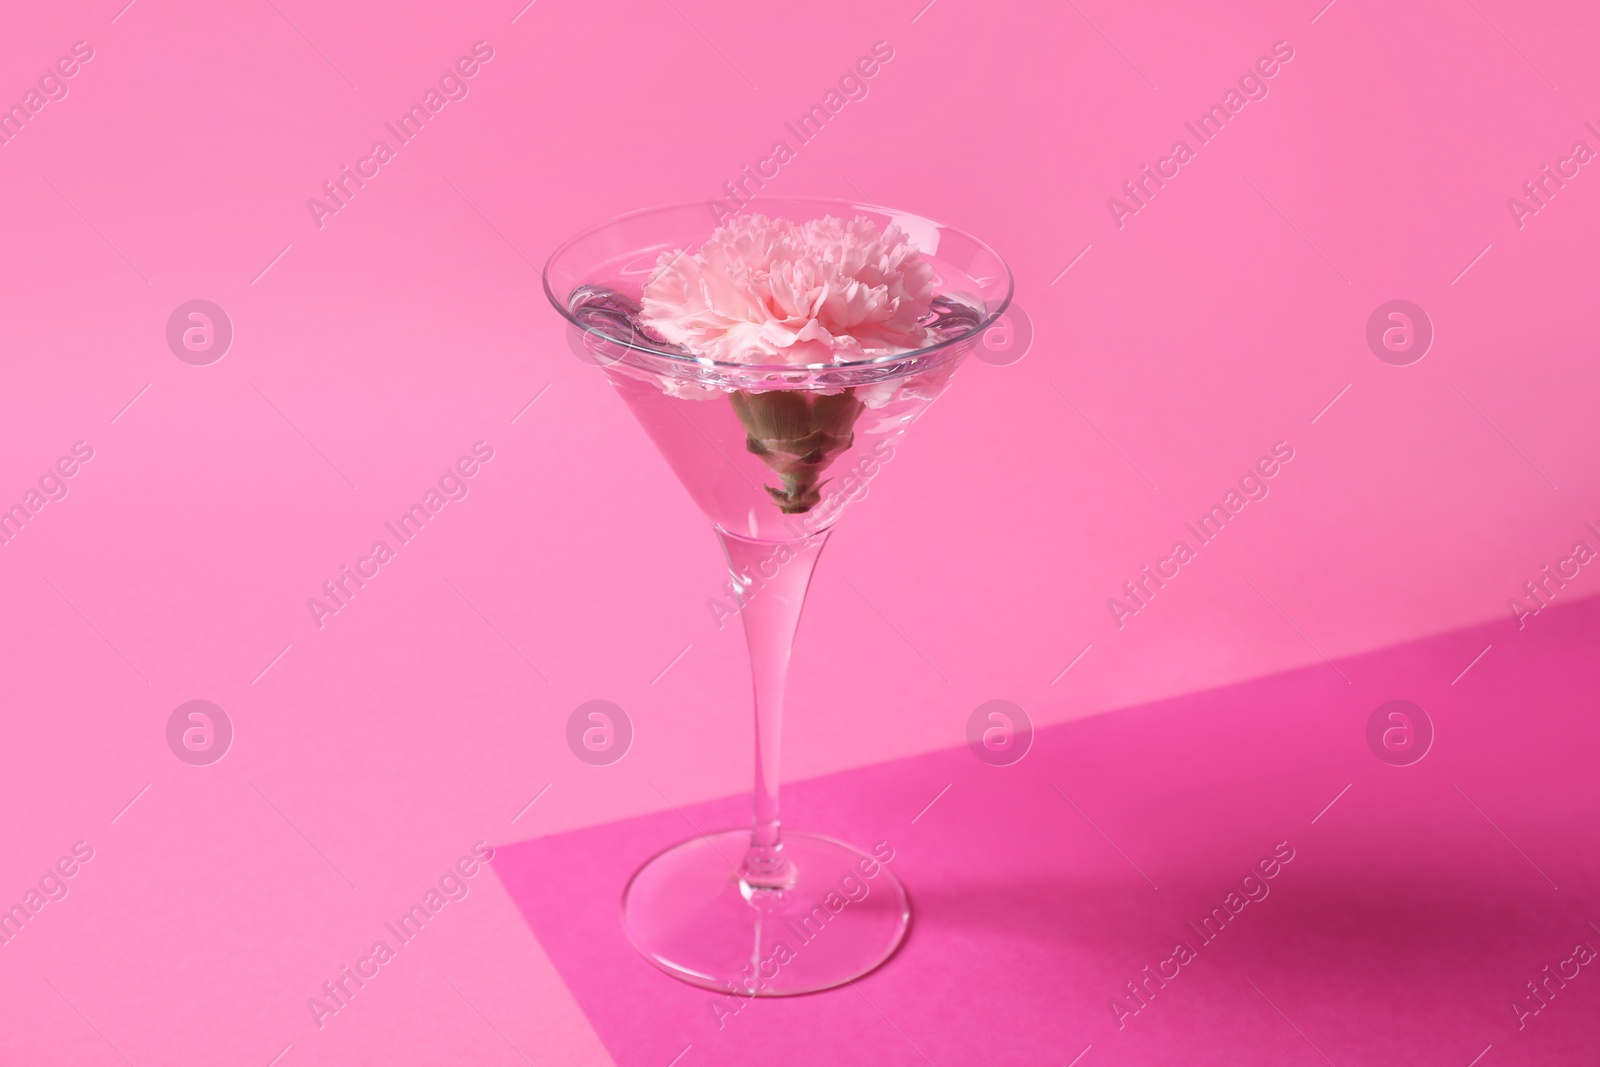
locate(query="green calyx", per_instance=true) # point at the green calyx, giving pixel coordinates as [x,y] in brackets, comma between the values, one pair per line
[797,434]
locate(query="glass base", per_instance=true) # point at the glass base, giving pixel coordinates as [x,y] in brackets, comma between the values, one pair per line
[690,913]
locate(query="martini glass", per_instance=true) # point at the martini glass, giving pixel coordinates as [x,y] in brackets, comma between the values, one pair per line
[773,454]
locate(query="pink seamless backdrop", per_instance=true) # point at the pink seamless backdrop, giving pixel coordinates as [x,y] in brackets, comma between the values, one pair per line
[372,350]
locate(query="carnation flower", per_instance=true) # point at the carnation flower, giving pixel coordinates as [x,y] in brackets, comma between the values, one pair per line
[766,290]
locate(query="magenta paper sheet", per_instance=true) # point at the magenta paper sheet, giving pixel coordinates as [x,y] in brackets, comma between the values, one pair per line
[1206,880]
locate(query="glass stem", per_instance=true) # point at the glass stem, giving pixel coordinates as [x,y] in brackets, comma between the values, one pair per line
[771,579]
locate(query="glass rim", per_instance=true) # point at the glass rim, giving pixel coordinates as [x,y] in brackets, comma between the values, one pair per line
[888,360]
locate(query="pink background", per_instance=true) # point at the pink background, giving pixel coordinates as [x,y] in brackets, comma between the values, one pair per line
[370,353]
